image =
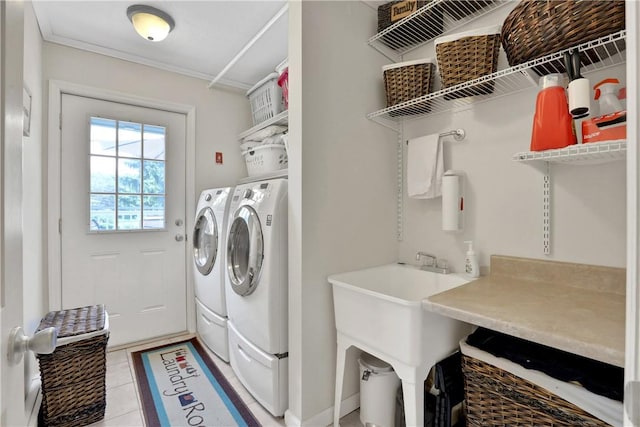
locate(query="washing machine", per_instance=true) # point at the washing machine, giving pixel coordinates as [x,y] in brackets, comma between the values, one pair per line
[257,290]
[209,243]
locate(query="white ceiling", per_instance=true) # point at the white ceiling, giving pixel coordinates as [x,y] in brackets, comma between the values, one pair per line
[207,35]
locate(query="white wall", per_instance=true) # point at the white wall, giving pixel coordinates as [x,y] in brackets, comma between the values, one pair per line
[34,217]
[503,198]
[343,210]
[220,114]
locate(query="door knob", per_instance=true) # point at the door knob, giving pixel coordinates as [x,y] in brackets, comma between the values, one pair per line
[179,237]
[179,222]
[42,342]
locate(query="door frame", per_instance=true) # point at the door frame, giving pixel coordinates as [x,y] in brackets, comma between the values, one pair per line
[56,89]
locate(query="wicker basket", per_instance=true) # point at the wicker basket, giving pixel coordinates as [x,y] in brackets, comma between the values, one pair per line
[537,28]
[468,56]
[494,397]
[425,27]
[73,376]
[405,81]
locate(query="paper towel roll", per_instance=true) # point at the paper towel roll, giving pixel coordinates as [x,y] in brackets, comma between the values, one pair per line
[452,202]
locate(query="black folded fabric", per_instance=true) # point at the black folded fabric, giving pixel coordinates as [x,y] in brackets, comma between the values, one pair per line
[597,377]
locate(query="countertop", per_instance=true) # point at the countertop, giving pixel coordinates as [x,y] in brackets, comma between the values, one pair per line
[578,308]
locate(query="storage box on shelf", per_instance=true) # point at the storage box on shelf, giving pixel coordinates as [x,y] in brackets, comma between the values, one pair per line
[405,30]
[468,56]
[73,376]
[408,80]
[535,28]
[265,98]
[429,21]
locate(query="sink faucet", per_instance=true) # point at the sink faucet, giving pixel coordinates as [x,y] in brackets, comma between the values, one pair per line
[431,263]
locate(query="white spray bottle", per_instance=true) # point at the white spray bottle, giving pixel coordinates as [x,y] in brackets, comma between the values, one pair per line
[607,95]
[471,267]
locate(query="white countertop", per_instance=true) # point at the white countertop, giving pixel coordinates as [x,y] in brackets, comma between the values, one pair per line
[584,314]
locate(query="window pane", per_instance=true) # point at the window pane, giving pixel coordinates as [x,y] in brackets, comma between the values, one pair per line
[103,136]
[153,177]
[129,139]
[129,176]
[129,213]
[154,137]
[153,212]
[103,174]
[102,212]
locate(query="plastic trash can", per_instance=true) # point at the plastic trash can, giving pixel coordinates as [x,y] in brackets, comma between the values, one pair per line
[73,376]
[378,387]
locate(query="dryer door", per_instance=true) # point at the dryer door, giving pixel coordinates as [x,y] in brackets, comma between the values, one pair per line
[205,241]
[245,251]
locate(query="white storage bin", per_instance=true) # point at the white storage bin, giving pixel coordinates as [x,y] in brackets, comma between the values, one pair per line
[266,158]
[265,99]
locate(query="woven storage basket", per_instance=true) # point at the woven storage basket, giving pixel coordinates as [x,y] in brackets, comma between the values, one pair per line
[537,28]
[425,27]
[494,397]
[467,57]
[405,81]
[73,376]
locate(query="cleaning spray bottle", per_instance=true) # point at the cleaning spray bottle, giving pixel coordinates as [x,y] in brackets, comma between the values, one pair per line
[607,96]
[471,267]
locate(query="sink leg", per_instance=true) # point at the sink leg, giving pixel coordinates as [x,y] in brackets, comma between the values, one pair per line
[340,361]
[413,395]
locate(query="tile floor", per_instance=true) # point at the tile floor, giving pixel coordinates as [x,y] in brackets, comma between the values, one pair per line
[123,402]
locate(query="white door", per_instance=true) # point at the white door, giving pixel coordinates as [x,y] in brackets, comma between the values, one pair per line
[122,215]
[11,41]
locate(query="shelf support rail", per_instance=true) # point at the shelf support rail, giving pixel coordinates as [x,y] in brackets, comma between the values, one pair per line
[249,44]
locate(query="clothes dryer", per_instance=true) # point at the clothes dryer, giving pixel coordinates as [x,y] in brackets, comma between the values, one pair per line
[257,290]
[209,242]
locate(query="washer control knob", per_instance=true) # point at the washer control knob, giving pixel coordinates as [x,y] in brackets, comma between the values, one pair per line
[247,193]
[207,198]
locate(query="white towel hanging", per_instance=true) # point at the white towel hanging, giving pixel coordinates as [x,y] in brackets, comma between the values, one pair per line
[425,167]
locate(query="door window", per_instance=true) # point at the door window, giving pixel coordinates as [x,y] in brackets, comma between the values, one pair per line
[127,176]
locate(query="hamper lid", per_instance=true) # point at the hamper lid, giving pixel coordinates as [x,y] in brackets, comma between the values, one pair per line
[77,323]
[371,362]
[408,63]
[493,29]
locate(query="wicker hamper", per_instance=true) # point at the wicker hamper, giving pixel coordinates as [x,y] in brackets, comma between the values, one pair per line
[537,28]
[405,81]
[494,397]
[468,56]
[73,376]
[420,29]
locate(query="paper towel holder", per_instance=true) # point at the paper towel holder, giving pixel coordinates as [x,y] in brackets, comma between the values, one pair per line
[453,200]
[458,134]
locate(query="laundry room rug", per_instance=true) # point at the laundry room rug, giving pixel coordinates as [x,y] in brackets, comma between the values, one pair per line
[180,386]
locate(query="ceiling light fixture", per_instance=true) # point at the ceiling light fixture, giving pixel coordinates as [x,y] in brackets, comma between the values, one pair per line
[151,23]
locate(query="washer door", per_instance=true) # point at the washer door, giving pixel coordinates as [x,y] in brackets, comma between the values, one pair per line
[245,251]
[205,241]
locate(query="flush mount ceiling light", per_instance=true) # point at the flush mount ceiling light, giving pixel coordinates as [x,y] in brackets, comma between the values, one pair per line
[151,23]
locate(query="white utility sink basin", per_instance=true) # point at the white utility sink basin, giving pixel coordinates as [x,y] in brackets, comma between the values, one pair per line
[379,310]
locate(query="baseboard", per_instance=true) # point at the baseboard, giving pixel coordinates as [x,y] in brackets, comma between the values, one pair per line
[325,417]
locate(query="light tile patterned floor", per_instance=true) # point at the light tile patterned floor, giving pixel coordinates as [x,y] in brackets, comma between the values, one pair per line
[123,402]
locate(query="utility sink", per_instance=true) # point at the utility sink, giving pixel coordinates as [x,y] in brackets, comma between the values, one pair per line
[379,310]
